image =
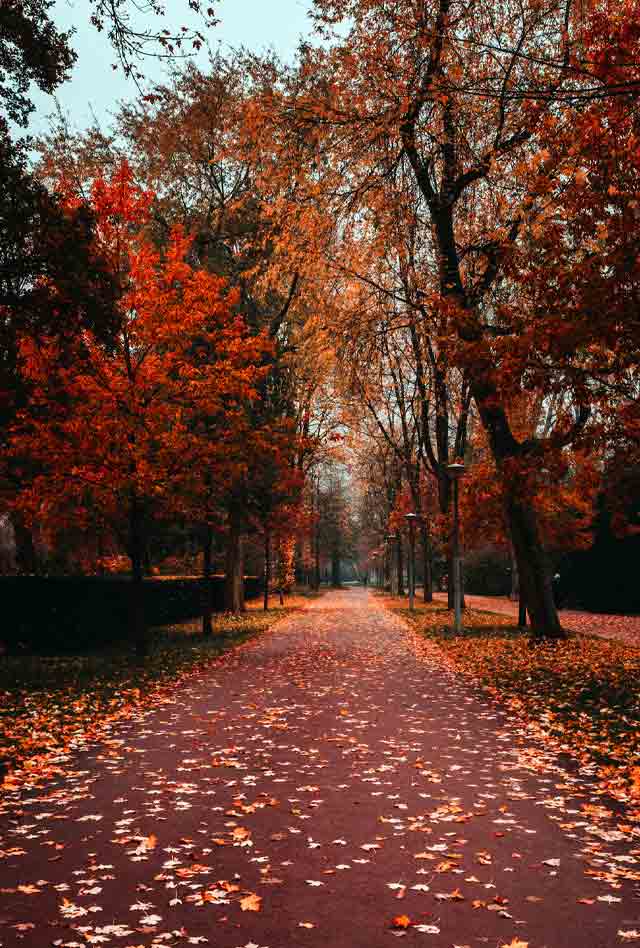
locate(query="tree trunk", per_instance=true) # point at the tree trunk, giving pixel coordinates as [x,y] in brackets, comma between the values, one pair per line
[267,567]
[207,592]
[427,583]
[139,630]
[335,569]
[535,579]
[316,564]
[522,611]
[515,579]
[26,556]
[234,570]
[400,567]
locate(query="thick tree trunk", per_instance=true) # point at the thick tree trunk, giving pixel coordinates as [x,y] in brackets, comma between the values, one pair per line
[207,592]
[234,570]
[515,578]
[139,629]
[316,564]
[400,567]
[335,568]
[427,585]
[535,578]
[26,556]
[267,568]
[522,611]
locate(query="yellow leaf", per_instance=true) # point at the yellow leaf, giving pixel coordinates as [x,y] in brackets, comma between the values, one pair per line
[250,903]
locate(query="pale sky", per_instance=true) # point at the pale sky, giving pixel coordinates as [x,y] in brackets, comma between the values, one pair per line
[94,86]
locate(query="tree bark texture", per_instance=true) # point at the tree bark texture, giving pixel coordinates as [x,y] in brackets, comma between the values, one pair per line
[234,569]
[515,579]
[427,574]
[535,577]
[335,568]
[522,611]
[207,591]
[316,558]
[26,556]
[267,568]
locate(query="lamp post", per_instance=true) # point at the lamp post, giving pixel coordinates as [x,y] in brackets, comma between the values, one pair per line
[411,519]
[455,473]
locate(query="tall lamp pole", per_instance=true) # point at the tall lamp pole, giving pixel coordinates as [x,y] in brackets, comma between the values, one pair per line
[455,473]
[411,519]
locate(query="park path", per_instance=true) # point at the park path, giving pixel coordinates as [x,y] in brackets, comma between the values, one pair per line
[333,774]
[619,627]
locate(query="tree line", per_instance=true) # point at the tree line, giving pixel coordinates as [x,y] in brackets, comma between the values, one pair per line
[416,244]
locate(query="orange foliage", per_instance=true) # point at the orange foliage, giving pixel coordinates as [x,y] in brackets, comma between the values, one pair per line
[162,406]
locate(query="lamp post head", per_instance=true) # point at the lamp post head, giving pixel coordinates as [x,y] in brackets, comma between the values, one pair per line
[456,471]
[412,519]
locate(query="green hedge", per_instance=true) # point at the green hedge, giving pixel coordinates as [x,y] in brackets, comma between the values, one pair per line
[50,615]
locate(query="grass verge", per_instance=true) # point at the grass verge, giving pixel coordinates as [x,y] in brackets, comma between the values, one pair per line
[49,705]
[582,692]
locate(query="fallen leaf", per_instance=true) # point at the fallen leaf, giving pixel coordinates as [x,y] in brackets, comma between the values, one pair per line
[251,903]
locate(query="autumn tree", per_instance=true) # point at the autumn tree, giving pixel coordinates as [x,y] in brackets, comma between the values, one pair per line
[463,99]
[192,141]
[117,427]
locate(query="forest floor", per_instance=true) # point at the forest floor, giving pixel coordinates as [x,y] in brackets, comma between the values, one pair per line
[335,781]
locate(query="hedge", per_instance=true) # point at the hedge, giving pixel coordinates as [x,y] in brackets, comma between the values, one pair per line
[50,614]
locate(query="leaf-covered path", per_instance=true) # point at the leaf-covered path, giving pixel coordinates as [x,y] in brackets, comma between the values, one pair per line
[308,789]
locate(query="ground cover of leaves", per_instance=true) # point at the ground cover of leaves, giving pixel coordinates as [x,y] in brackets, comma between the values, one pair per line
[623,628]
[334,782]
[582,692]
[49,705]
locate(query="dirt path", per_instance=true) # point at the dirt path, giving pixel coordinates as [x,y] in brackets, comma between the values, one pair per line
[327,776]
[622,628]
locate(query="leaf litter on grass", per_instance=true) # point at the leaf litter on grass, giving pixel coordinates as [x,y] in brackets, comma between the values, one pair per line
[581,693]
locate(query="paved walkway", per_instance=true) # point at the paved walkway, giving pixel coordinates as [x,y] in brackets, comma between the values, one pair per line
[306,790]
[622,628]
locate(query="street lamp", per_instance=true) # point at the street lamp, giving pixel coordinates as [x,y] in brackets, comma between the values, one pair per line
[412,519]
[455,473]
